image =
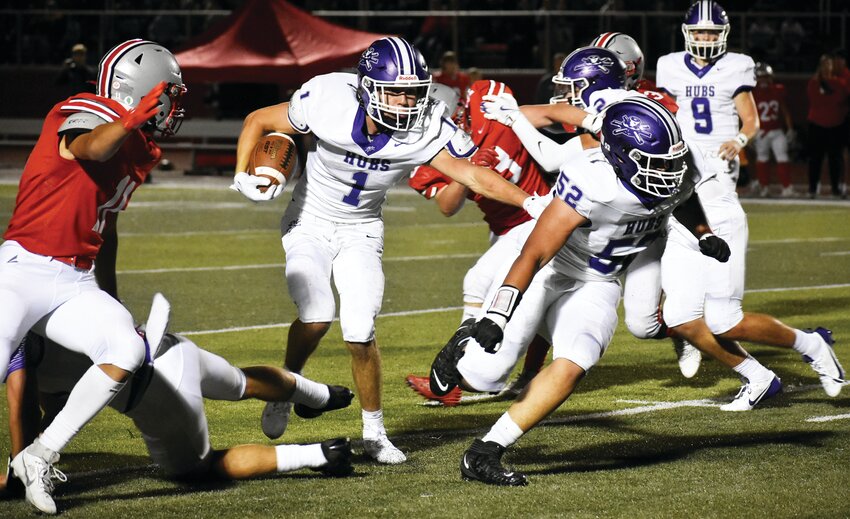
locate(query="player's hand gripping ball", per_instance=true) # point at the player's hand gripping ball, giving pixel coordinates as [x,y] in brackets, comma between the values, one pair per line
[274,158]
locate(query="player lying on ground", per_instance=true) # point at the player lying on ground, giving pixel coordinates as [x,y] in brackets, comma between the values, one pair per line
[165,400]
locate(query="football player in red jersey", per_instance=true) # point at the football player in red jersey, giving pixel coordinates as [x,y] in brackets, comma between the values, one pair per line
[776,129]
[94,150]
[500,150]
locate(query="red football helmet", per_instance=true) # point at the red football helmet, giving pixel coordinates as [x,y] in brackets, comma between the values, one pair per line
[473,119]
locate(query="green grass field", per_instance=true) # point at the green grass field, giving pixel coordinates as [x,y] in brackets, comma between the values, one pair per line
[636,440]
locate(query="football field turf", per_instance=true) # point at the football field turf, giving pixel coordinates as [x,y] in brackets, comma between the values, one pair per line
[635,440]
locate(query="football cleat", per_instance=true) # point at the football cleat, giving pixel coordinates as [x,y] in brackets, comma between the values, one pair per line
[444,375]
[338,454]
[689,357]
[422,385]
[37,476]
[14,486]
[751,393]
[383,450]
[275,418]
[826,364]
[483,462]
[340,397]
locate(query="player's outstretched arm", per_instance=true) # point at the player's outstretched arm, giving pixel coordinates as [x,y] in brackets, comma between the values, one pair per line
[103,142]
[483,181]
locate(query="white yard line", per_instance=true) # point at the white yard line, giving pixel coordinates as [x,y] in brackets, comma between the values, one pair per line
[837,253]
[829,418]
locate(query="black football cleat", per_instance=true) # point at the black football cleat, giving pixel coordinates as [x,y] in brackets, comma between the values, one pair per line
[340,398]
[444,375]
[483,462]
[338,454]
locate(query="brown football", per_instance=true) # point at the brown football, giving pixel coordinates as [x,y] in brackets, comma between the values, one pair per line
[274,158]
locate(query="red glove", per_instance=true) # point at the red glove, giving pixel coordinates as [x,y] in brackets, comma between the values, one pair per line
[427,181]
[146,109]
[486,157]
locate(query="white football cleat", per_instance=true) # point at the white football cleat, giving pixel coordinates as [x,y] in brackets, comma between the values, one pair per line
[751,393]
[826,364]
[276,418]
[689,357]
[37,475]
[383,450]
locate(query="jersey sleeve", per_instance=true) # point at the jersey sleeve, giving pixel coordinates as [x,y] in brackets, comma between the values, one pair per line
[299,108]
[575,187]
[80,122]
[662,77]
[460,146]
[748,76]
[427,181]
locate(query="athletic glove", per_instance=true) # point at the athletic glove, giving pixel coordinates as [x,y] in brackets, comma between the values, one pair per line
[249,185]
[501,108]
[488,333]
[714,247]
[534,205]
[593,122]
[486,157]
[490,330]
[147,108]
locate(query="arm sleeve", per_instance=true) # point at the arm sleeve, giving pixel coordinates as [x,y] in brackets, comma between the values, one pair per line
[546,152]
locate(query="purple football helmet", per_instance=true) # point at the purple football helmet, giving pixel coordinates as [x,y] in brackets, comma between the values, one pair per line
[706,15]
[391,69]
[585,71]
[643,141]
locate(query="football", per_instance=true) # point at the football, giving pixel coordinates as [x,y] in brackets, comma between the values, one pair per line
[274,158]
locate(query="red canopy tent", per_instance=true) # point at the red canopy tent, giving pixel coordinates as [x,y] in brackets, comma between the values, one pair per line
[271,41]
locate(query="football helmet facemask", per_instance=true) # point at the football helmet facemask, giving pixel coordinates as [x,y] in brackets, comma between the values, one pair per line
[131,69]
[628,50]
[585,71]
[643,142]
[706,15]
[393,82]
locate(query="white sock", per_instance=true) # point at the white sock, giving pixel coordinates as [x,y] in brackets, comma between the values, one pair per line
[312,394]
[751,369]
[91,394]
[806,343]
[294,457]
[470,310]
[38,449]
[505,432]
[373,424]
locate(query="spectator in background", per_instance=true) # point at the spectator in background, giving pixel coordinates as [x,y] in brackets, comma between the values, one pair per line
[828,97]
[76,76]
[791,34]
[545,87]
[841,71]
[451,75]
[474,74]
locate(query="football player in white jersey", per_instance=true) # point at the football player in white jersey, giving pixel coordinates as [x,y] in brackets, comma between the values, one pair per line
[610,203]
[372,128]
[713,89]
[165,400]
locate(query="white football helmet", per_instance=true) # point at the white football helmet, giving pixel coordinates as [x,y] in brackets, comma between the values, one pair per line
[448,95]
[131,69]
[629,51]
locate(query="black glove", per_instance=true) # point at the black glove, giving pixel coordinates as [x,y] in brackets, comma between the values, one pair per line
[488,334]
[714,247]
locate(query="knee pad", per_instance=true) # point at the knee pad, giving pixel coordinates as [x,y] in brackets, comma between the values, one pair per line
[644,327]
[310,290]
[124,349]
[721,315]
[475,285]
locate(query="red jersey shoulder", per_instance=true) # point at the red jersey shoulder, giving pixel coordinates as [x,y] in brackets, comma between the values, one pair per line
[661,97]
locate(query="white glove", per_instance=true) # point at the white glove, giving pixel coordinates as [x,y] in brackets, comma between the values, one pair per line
[593,122]
[535,205]
[249,185]
[501,108]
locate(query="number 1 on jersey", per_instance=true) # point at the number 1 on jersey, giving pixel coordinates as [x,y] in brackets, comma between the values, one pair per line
[353,198]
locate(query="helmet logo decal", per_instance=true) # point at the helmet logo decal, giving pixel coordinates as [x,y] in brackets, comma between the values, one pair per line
[594,61]
[369,58]
[632,127]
